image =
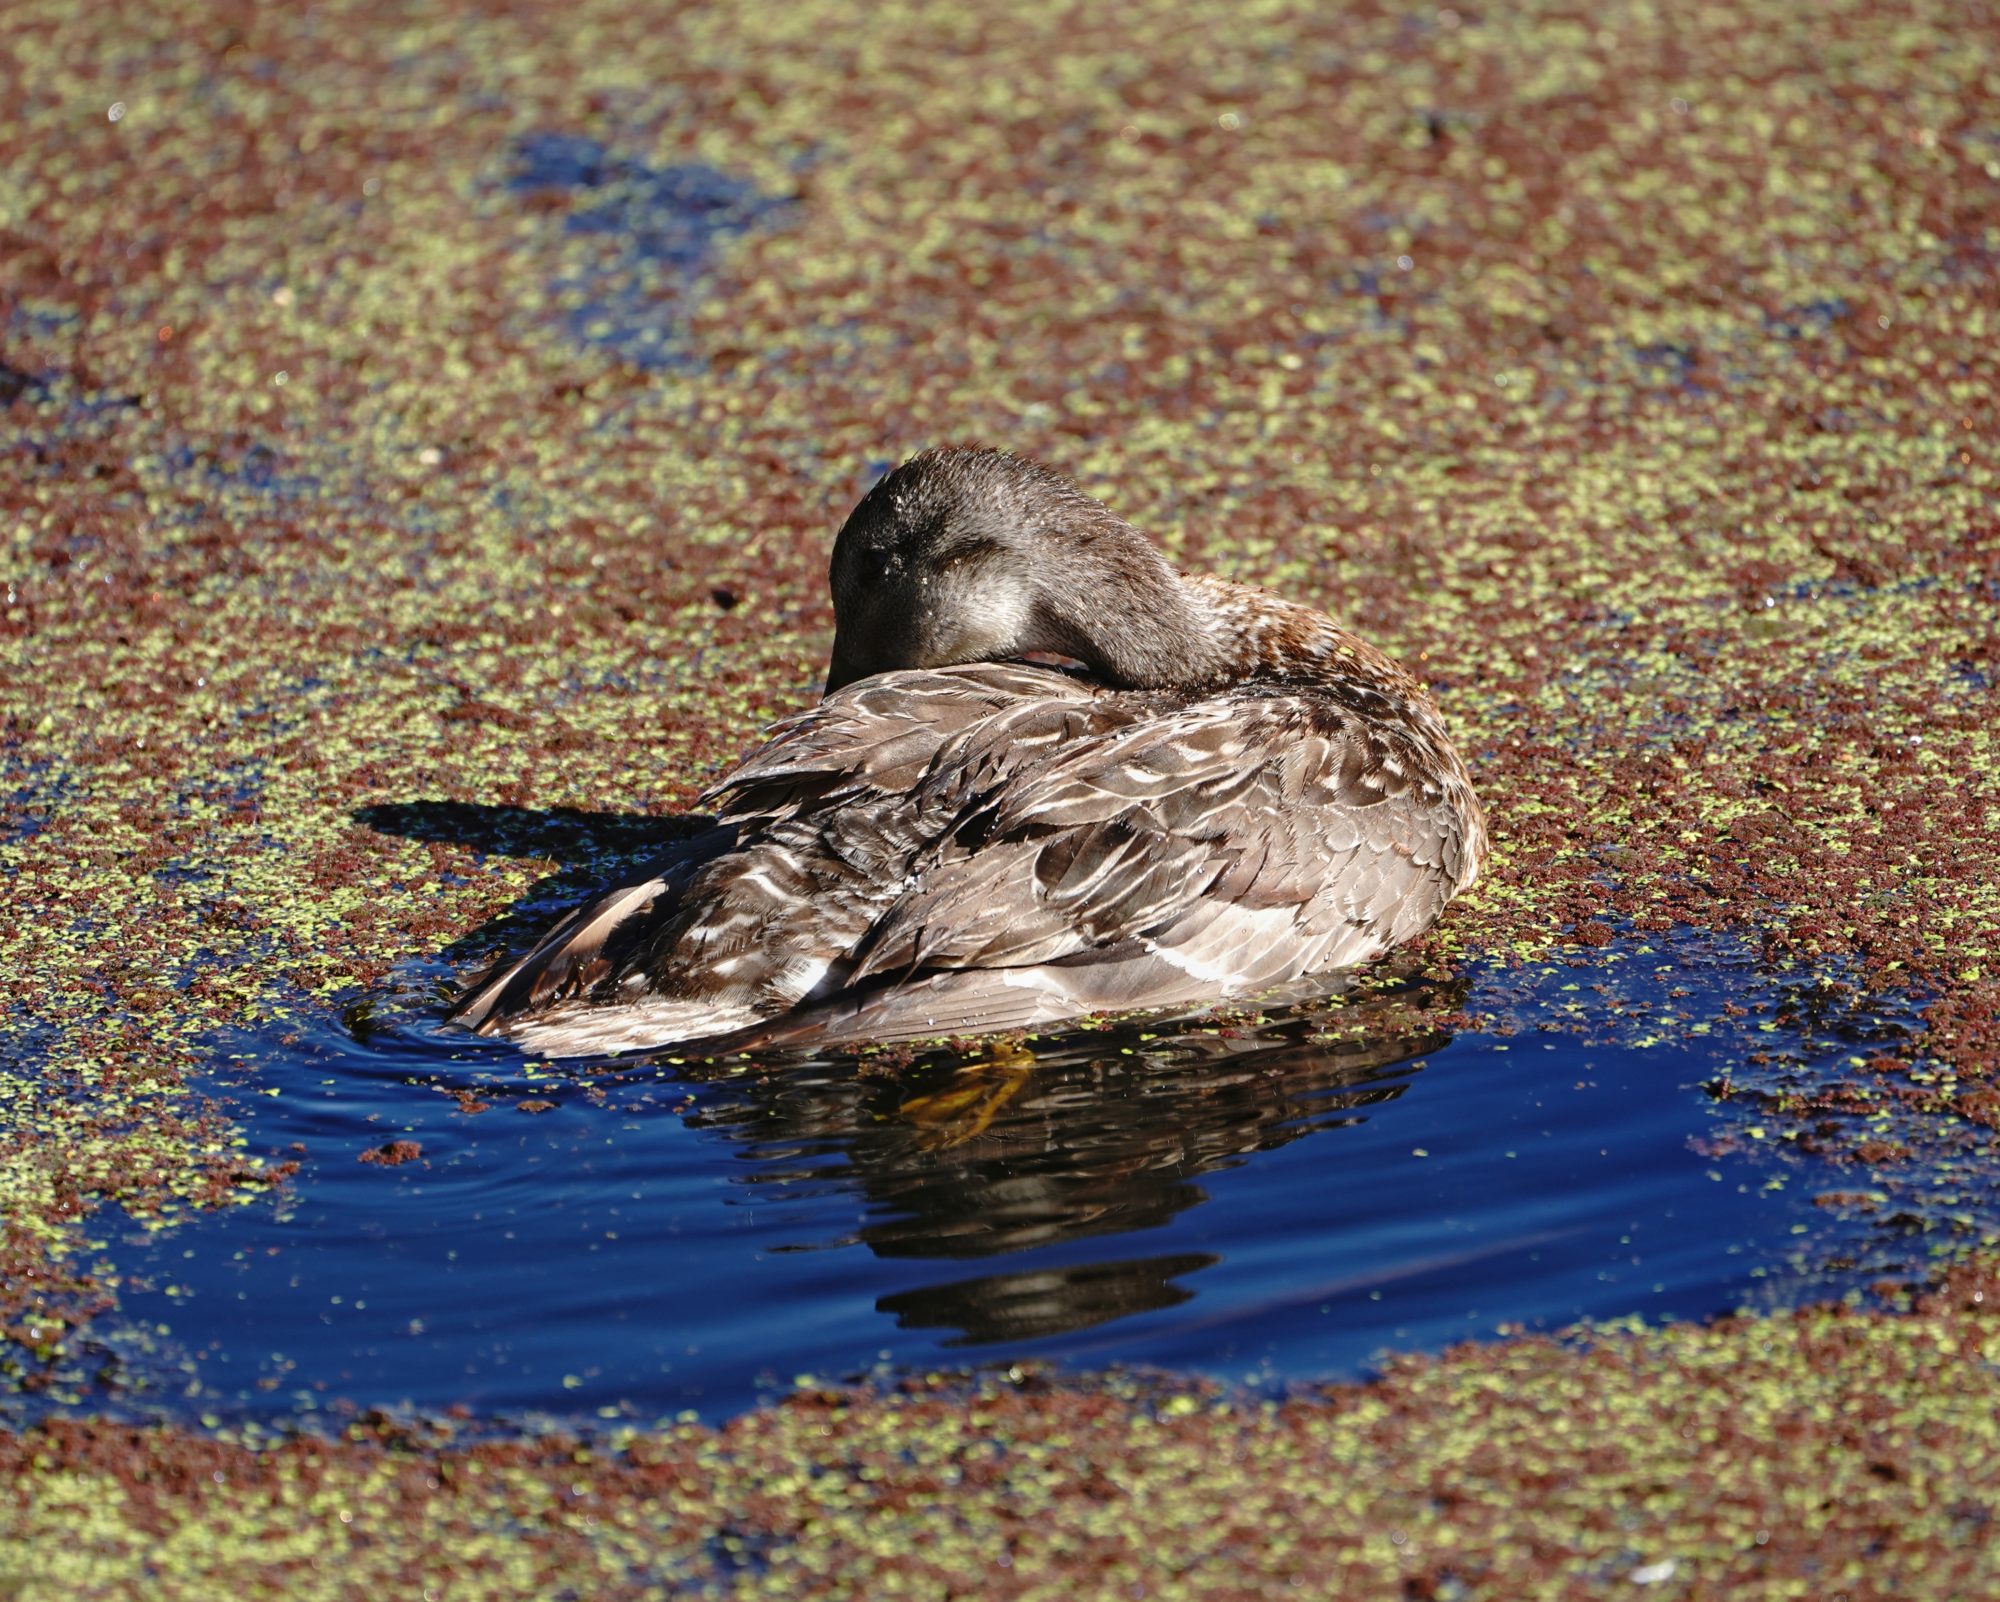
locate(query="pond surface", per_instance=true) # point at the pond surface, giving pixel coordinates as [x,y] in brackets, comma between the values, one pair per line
[1273,1202]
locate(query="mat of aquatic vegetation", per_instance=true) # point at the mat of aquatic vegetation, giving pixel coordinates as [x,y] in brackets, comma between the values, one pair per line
[1823,1454]
[445,408]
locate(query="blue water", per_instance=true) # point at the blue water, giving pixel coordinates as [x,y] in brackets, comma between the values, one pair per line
[1260,1205]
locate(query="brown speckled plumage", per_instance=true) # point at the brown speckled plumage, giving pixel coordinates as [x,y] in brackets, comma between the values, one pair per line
[1233,794]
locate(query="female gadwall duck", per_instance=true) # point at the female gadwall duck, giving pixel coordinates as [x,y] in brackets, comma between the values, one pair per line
[1232,795]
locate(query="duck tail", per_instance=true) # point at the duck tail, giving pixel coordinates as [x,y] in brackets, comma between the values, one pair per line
[574,955]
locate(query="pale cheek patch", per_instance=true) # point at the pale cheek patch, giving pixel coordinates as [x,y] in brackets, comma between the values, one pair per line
[980,622]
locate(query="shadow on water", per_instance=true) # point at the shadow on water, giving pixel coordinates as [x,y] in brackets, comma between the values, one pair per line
[1102,1135]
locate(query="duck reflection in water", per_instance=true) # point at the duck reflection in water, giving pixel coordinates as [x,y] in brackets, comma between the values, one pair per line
[1094,1134]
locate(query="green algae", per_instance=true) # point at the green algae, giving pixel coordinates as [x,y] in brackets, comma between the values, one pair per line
[1635,377]
[1821,1454]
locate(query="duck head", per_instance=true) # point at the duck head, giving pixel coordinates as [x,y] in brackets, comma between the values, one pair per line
[965,555]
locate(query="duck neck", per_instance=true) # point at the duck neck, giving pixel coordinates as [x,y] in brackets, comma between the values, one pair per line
[1123,611]
[1118,607]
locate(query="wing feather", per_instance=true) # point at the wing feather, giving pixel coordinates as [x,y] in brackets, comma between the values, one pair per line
[572,956]
[1242,840]
[999,847]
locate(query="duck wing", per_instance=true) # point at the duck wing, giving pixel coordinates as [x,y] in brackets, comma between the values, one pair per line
[814,833]
[881,737]
[1176,851]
